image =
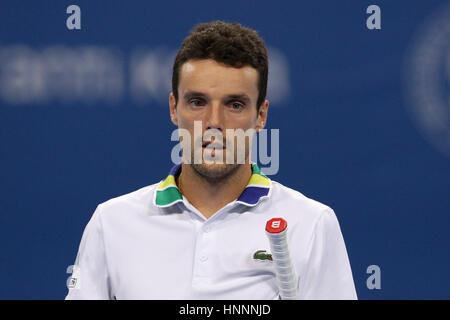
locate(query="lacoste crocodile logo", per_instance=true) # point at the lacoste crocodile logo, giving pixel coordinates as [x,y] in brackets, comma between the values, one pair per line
[262,255]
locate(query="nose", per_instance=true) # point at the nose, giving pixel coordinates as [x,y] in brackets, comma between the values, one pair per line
[214,117]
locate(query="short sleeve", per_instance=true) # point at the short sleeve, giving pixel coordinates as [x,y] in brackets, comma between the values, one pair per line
[328,273]
[90,278]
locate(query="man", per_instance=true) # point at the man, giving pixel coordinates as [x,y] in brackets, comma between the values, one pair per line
[194,235]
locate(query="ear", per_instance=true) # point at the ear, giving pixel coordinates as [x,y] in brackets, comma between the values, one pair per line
[173,109]
[262,115]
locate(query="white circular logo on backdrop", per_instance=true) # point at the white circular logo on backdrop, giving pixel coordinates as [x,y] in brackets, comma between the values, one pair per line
[427,78]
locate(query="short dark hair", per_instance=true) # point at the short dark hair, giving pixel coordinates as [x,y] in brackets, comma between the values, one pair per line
[229,43]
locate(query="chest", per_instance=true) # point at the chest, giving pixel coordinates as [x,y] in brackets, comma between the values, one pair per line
[164,258]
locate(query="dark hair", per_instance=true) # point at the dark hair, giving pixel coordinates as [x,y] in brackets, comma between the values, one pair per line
[229,43]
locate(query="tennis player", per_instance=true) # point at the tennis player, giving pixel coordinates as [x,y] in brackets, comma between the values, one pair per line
[199,233]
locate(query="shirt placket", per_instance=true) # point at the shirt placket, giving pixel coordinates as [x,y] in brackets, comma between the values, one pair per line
[204,266]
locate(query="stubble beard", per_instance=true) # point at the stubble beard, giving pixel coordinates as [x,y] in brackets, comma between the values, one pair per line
[217,172]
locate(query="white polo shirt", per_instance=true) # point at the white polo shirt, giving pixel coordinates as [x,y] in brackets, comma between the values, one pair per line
[153,244]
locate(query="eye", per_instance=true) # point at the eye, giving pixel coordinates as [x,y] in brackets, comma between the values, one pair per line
[196,102]
[236,105]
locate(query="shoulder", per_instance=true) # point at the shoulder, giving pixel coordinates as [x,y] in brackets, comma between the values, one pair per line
[307,218]
[287,196]
[296,206]
[136,202]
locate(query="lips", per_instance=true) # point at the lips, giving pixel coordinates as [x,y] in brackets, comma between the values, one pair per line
[212,145]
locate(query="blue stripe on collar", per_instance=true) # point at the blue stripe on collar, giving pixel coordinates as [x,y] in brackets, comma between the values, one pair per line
[258,187]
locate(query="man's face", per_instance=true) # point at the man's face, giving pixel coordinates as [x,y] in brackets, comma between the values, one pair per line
[221,97]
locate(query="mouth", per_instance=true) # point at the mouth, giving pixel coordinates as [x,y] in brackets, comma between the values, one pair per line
[213,145]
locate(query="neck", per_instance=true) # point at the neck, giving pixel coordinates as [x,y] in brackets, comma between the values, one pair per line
[207,195]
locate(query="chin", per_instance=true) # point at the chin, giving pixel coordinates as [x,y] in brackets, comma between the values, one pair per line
[215,170]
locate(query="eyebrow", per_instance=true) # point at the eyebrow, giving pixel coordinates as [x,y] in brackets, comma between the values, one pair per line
[236,96]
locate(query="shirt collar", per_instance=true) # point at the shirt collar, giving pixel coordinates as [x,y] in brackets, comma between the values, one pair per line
[258,188]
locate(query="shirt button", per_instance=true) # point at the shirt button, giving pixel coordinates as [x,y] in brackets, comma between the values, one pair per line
[203,258]
[207,229]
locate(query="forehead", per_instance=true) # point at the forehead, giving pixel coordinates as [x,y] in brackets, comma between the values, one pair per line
[209,76]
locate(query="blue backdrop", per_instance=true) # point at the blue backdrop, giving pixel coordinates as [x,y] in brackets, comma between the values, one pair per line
[363,118]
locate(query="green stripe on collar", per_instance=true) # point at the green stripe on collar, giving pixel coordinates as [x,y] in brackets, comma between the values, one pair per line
[258,187]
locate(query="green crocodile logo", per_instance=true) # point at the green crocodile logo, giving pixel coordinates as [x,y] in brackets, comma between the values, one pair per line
[262,255]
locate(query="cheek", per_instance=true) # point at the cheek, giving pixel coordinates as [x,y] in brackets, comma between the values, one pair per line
[243,122]
[184,120]
[187,117]
[195,133]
